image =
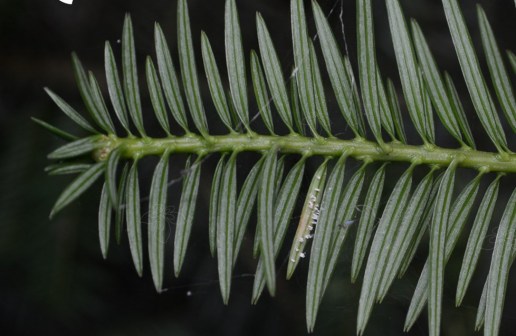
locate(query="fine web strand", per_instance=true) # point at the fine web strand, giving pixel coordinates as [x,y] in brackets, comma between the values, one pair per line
[240,127]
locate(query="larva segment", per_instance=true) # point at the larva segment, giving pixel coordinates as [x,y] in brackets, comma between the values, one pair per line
[309,217]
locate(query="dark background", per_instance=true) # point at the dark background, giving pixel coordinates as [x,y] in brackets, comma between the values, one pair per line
[53,279]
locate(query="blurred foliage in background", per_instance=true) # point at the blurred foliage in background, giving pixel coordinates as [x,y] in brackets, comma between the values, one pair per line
[53,279]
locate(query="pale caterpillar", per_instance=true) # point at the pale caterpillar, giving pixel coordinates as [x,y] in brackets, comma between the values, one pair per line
[309,218]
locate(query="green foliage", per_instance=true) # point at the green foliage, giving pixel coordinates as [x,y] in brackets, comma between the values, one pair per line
[405,214]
